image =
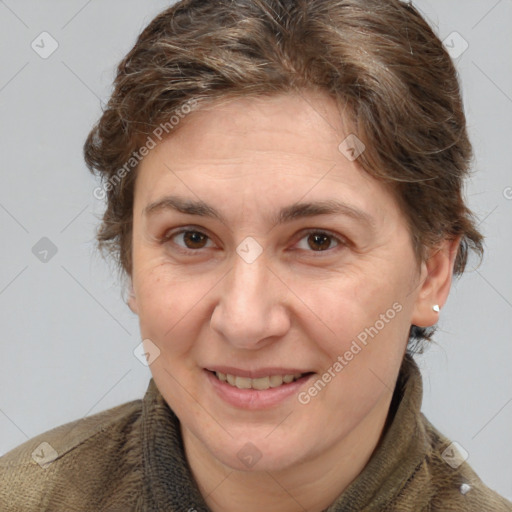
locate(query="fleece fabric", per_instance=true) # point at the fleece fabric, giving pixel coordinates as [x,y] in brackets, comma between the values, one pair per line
[131,458]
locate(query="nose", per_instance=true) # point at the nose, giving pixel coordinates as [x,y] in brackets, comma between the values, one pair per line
[251,312]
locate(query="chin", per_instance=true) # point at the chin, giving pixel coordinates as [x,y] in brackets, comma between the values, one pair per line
[249,458]
[255,453]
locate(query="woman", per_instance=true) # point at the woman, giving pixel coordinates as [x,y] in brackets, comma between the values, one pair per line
[284,193]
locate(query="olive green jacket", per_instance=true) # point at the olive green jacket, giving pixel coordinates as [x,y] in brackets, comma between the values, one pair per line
[131,458]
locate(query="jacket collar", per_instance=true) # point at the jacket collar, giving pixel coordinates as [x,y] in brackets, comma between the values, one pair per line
[169,485]
[400,453]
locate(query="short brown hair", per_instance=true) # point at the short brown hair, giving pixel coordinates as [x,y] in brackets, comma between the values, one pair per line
[377,58]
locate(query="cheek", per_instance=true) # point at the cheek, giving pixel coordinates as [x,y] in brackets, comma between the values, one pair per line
[364,321]
[368,318]
[160,299]
[346,304]
[171,305]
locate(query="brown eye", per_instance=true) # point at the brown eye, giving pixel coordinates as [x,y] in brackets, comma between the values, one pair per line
[188,240]
[318,241]
[194,239]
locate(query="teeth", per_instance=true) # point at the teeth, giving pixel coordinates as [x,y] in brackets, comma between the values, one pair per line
[275,381]
[243,382]
[261,383]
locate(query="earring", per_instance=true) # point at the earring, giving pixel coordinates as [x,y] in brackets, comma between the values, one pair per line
[435,307]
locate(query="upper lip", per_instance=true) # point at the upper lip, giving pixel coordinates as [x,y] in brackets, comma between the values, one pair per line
[256,374]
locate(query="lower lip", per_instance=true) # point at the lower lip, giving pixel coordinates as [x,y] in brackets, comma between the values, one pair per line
[254,398]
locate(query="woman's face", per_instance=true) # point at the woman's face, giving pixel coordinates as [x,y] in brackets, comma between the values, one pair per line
[261,251]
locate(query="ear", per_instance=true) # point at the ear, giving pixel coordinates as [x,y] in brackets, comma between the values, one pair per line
[435,282]
[132,300]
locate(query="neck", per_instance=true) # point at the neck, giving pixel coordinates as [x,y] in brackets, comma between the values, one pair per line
[311,484]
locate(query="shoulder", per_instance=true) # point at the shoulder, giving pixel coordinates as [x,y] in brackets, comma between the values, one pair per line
[68,464]
[455,485]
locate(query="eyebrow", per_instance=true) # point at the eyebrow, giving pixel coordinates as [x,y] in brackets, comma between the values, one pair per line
[287,214]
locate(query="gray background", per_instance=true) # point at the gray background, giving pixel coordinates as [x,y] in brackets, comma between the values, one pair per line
[68,339]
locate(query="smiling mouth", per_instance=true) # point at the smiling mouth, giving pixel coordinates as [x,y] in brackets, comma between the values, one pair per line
[260,384]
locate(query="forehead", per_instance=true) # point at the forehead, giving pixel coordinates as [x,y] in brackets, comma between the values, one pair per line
[280,123]
[268,152]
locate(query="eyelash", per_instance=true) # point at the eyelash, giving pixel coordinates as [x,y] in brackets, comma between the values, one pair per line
[341,242]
